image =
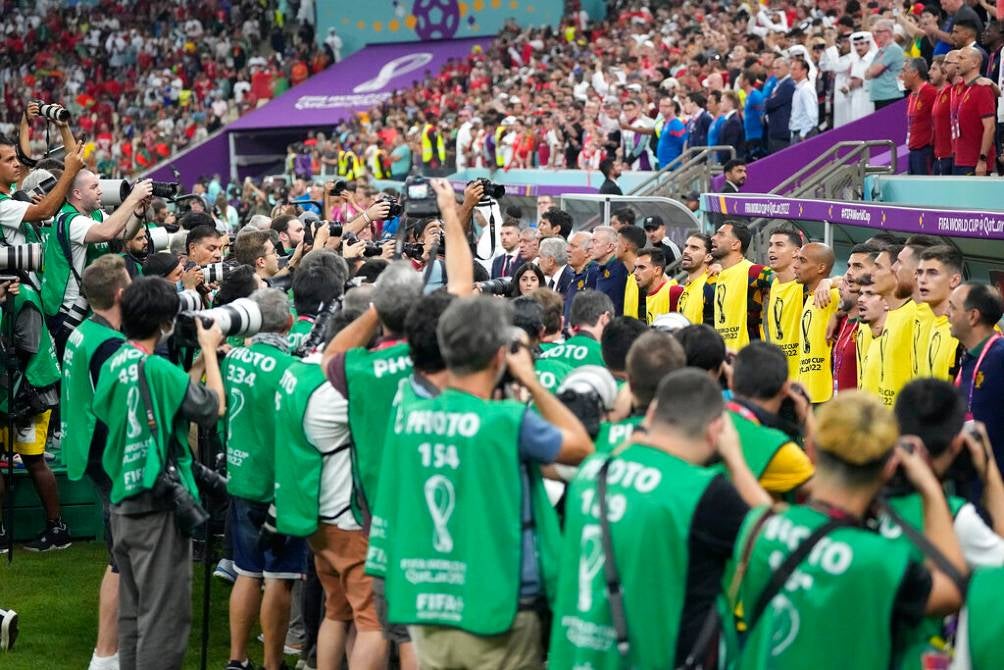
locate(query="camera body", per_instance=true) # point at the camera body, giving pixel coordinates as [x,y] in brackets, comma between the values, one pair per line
[189,514]
[369,251]
[41,190]
[339,188]
[396,208]
[419,198]
[492,191]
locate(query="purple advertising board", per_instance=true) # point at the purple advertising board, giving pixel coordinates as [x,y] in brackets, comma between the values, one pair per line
[357,84]
[955,223]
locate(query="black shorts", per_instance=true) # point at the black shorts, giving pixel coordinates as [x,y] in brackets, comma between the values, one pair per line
[103,485]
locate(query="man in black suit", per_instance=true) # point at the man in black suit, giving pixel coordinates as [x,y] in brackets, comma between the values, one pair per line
[778,107]
[732,133]
[507,262]
[993,40]
[735,176]
[554,264]
[610,169]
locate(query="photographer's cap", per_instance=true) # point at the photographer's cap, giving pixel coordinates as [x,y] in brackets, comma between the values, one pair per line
[856,428]
[652,222]
[592,379]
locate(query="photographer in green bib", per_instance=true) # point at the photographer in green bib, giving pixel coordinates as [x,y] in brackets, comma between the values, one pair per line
[467,489]
[528,314]
[771,413]
[659,532]
[92,343]
[651,357]
[147,403]
[590,313]
[820,589]
[957,451]
[251,376]
[79,235]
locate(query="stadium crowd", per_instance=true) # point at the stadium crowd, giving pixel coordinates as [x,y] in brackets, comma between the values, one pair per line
[651,81]
[146,80]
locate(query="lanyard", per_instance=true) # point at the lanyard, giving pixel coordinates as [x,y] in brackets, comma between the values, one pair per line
[742,411]
[976,371]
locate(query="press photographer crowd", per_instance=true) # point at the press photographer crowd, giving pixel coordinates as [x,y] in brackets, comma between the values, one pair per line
[420,432]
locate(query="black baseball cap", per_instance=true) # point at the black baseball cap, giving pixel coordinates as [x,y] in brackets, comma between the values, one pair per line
[652,222]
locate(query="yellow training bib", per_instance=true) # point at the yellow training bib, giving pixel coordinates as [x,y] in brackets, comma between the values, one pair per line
[922,324]
[897,351]
[780,321]
[871,376]
[691,301]
[731,288]
[862,342]
[942,349]
[815,362]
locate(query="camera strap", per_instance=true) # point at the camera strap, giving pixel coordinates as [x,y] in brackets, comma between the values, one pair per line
[615,594]
[927,548]
[780,576]
[144,394]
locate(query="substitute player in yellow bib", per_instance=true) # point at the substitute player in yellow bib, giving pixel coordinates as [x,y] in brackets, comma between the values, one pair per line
[691,299]
[814,263]
[739,289]
[871,311]
[938,274]
[897,335]
[784,306]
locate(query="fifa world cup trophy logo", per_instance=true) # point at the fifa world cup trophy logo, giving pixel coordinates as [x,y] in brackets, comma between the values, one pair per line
[778,311]
[806,325]
[590,562]
[720,303]
[440,498]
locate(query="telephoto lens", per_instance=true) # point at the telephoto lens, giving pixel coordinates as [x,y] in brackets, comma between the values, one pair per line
[215,272]
[241,318]
[23,257]
[53,112]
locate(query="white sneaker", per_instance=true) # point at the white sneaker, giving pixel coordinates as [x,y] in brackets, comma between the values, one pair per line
[104,662]
[8,629]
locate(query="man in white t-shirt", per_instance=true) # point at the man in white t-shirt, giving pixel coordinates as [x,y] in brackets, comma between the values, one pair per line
[14,214]
[82,229]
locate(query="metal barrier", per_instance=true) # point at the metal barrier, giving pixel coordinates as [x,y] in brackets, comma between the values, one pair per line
[692,170]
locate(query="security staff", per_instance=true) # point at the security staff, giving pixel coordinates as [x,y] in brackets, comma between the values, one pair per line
[670,527]
[465,473]
[148,419]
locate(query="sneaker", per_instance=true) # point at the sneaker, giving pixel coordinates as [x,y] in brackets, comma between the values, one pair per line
[8,629]
[287,649]
[225,571]
[54,537]
[104,662]
[238,665]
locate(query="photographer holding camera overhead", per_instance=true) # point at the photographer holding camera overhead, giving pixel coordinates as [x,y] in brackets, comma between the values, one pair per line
[79,235]
[15,165]
[147,404]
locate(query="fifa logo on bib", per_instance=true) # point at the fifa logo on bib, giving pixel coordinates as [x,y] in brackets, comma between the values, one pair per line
[778,311]
[135,428]
[440,497]
[720,302]
[590,561]
[806,325]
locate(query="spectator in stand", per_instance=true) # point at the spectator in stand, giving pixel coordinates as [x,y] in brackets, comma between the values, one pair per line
[956,10]
[941,74]
[752,115]
[673,135]
[778,107]
[731,132]
[698,119]
[883,73]
[920,127]
[804,119]
[973,141]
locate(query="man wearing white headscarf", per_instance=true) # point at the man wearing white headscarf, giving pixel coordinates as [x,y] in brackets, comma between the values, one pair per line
[837,59]
[863,50]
